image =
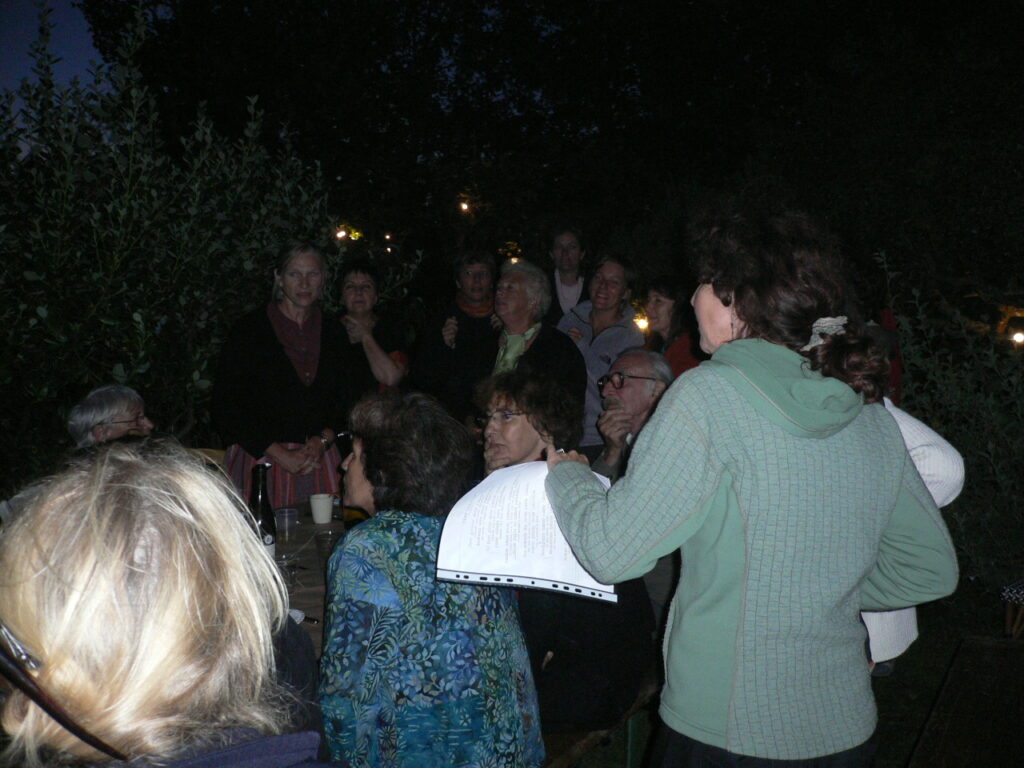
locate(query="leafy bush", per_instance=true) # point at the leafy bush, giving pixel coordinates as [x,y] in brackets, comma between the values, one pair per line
[969,387]
[124,259]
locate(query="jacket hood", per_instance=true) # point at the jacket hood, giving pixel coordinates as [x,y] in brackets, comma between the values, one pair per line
[780,385]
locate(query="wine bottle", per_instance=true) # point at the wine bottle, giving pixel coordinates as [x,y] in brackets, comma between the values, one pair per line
[261,509]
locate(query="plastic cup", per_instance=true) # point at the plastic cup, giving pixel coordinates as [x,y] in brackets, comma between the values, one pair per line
[325,541]
[287,518]
[322,505]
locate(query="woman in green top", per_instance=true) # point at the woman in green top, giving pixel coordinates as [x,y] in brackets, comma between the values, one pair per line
[786,485]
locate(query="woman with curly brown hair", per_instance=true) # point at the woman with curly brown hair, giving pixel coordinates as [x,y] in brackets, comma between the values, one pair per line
[418,672]
[787,487]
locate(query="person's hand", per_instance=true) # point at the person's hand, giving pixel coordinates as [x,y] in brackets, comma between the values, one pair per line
[555,458]
[314,450]
[496,323]
[448,331]
[357,327]
[575,334]
[614,424]
[293,460]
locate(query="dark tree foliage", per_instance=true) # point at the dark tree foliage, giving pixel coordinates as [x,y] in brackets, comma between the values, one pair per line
[896,121]
[406,105]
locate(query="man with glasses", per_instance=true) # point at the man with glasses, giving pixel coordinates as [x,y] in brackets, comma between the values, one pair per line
[630,391]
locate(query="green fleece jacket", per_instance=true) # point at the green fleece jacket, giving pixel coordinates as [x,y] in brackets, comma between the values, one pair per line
[795,506]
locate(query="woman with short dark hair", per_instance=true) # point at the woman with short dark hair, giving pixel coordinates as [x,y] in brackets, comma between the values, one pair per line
[790,496]
[589,657]
[418,672]
[374,357]
[669,322]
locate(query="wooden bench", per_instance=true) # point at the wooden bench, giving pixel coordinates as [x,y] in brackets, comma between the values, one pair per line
[979,713]
[564,750]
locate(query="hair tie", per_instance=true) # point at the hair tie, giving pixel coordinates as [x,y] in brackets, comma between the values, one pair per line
[824,326]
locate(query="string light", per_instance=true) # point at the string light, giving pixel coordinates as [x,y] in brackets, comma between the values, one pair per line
[641,323]
[341,234]
[464,206]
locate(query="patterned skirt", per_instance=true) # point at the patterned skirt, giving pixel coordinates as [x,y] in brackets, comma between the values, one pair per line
[286,489]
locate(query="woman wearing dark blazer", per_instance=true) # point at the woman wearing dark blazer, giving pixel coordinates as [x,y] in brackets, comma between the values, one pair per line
[280,393]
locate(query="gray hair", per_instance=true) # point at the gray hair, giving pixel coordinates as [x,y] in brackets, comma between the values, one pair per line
[536,284]
[660,369]
[99,407]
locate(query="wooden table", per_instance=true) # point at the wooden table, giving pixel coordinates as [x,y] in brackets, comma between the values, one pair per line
[306,577]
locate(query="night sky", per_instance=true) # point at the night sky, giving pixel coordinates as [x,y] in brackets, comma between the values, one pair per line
[19,27]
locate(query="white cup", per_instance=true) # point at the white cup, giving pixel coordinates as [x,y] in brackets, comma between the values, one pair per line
[322,505]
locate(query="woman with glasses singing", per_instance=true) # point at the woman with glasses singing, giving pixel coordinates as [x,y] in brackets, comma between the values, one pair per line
[281,388]
[418,672]
[779,475]
[589,657]
[139,626]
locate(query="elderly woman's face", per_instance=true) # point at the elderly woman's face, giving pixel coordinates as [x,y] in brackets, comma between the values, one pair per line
[133,421]
[302,281]
[358,491]
[358,293]
[509,437]
[512,301]
[718,323]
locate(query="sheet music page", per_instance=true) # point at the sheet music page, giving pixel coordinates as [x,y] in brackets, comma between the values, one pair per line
[504,532]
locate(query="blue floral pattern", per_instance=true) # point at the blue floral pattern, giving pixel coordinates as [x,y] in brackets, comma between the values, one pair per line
[417,672]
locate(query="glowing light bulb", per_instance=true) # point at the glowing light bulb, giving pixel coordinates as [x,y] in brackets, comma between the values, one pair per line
[341,234]
[1018,337]
[641,323]
[464,207]
[387,236]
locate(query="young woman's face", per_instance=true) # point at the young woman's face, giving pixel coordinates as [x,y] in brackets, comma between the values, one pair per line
[718,324]
[659,309]
[301,281]
[509,437]
[608,289]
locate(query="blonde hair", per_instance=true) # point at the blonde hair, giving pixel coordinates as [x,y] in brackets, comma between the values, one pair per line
[136,580]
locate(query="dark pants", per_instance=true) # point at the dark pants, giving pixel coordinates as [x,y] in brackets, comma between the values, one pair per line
[673,750]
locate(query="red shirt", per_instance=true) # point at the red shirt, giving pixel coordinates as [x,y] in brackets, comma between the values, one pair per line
[300,344]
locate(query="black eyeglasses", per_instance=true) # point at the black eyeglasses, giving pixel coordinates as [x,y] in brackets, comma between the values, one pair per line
[137,421]
[618,378]
[503,417]
[17,664]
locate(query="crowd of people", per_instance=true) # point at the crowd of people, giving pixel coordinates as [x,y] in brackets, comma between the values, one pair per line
[764,493]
